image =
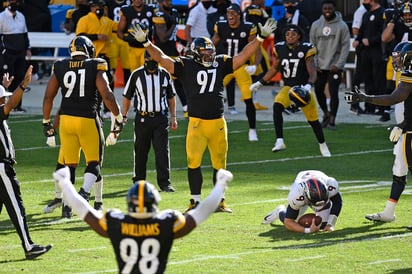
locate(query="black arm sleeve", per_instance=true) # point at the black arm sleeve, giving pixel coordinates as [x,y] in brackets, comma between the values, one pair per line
[336,204]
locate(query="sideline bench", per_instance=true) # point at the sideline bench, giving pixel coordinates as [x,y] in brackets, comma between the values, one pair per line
[53,40]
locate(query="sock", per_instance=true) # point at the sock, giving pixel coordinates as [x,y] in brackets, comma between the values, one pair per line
[57,192]
[98,191]
[389,210]
[197,198]
[89,180]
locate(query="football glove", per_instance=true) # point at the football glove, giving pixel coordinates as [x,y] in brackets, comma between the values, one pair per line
[111,139]
[395,134]
[307,87]
[356,96]
[51,141]
[139,34]
[48,129]
[257,85]
[117,124]
[251,69]
[267,29]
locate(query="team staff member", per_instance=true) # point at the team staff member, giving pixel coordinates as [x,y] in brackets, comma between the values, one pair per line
[152,86]
[137,12]
[230,37]
[311,188]
[165,37]
[10,194]
[202,76]
[142,252]
[296,62]
[14,44]
[81,78]
[98,28]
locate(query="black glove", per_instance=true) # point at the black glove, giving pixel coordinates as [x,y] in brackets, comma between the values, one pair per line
[48,129]
[356,97]
[117,126]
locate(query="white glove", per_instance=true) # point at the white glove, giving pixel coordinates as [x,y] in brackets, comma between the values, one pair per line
[307,87]
[251,69]
[267,29]
[255,86]
[51,141]
[111,139]
[138,33]
[396,133]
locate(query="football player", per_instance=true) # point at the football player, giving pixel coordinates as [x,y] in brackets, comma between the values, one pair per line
[143,237]
[296,62]
[230,37]
[311,188]
[81,78]
[202,75]
[399,134]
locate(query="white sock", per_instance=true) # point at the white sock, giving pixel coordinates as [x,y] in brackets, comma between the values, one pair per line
[197,198]
[88,181]
[184,108]
[57,192]
[98,191]
[389,210]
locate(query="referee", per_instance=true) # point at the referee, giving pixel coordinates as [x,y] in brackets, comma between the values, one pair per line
[10,194]
[155,98]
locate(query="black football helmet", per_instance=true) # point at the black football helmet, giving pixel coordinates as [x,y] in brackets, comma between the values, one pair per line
[316,192]
[396,56]
[81,45]
[406,58]
[142,199]
[406,9]
[299,96]
[203,51]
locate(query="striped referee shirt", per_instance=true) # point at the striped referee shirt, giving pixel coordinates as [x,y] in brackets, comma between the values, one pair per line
[152,90]
[6,146]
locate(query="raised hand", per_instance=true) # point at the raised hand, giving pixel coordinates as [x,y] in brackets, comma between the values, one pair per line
[268,28]
[139,33]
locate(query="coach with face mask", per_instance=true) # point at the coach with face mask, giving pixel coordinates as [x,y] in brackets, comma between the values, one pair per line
[292,16]
[155,95]
[196,25]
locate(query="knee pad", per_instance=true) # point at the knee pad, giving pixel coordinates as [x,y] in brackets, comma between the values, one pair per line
[93,168]
[399,180]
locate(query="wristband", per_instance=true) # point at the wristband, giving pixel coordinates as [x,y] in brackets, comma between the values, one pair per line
[332,220]
[45,121]
[146,44]
[260,39]
[307,230]
[22,87]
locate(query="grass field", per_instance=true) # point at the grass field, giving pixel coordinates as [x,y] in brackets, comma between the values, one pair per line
[226,243]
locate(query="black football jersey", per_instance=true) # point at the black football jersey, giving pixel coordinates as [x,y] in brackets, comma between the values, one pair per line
[114,7]
[204,86]
[232,41]
[142,245]
[77,80]
[407,78]
[133,17]
[293,62]
[169,47]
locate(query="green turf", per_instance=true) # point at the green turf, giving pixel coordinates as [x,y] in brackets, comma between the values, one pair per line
[226,243]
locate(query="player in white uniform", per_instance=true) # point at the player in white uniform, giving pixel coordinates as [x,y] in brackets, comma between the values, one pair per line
[311,188]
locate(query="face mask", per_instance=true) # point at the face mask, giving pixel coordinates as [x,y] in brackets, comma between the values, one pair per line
[151,67]
[13,7]
[367,6]
[291,9]
[207,4]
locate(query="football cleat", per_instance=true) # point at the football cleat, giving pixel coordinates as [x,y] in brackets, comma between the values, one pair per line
[98,206]
[324,150]
[67,212]
[253,135]
[84,194]
[279,145]
[222,207]
[232,111]
[36,251]
[192,205]
[274,215]
[50,207]
[379,217]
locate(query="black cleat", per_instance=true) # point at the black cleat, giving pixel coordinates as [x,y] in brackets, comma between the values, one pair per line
[36,251]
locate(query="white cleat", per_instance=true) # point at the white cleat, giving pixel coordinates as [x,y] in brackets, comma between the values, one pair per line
[279,145]
[324,150]
[50,207]
[379,217]
[273,216]
[253,135]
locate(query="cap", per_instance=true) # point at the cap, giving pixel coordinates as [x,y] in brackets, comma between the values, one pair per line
[235,7]
[4,93]
[100,3]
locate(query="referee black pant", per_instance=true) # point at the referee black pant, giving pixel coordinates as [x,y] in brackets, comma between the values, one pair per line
[10,197]
[152,131]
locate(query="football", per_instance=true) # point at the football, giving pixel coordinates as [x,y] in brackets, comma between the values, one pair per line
[306,219]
